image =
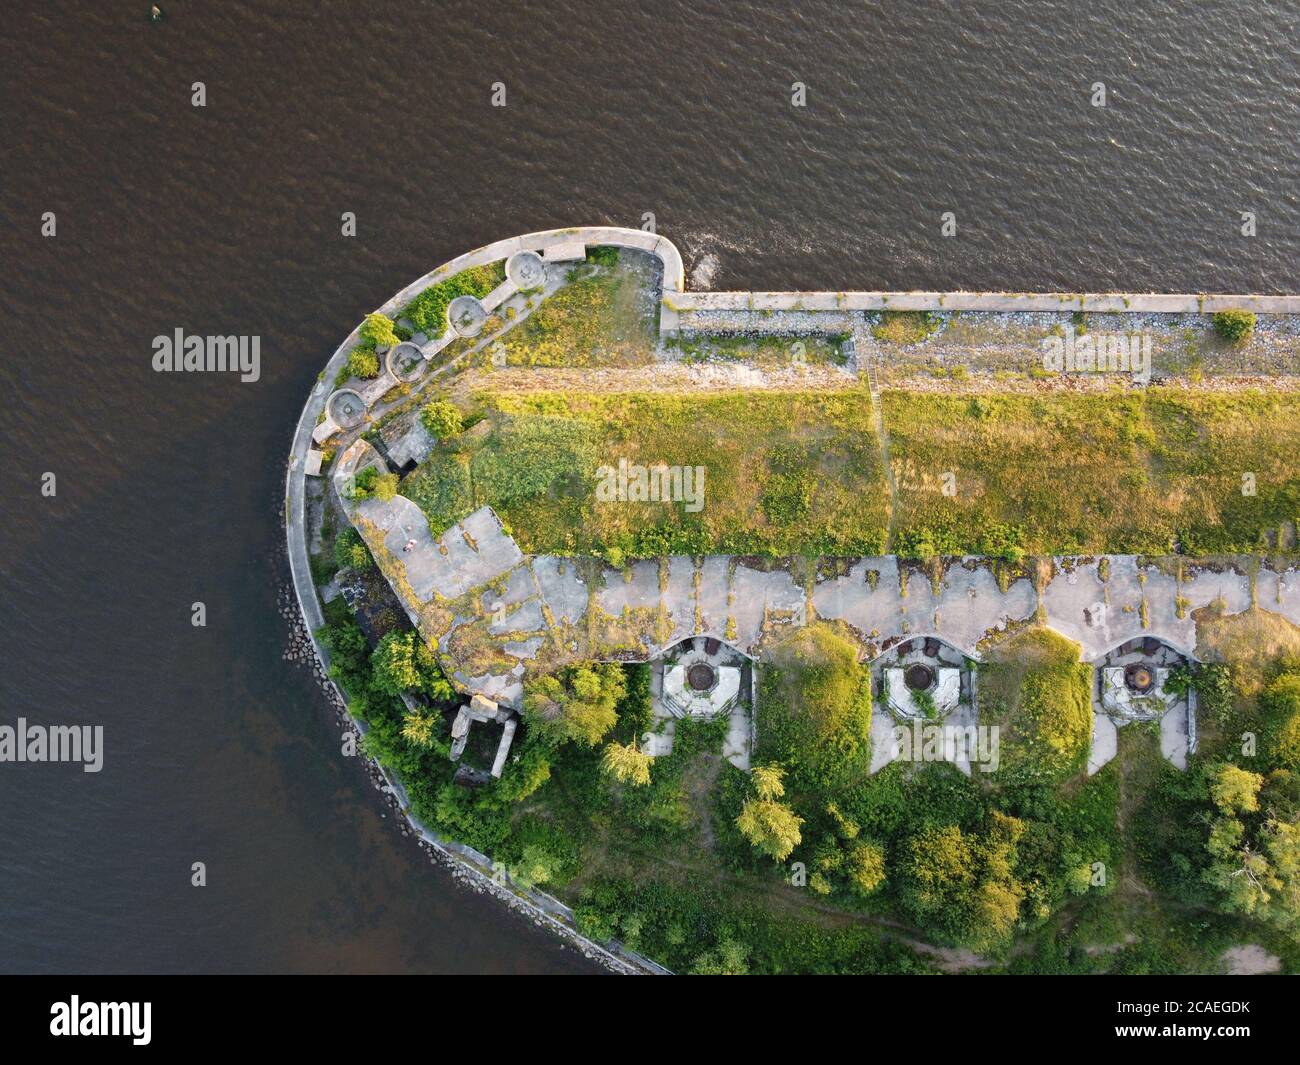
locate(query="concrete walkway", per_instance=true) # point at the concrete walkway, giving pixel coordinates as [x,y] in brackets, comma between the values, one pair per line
[638,612]
[683,304]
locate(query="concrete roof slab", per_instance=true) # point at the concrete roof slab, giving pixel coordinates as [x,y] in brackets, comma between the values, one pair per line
[563,590]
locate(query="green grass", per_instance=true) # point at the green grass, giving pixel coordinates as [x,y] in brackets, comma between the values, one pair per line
[801,473]
[785,473]
[1095,473]
[593,321]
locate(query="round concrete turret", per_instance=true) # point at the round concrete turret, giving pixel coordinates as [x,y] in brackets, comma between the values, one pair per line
[466,315]
[526,270]
[405,361]
[346,408]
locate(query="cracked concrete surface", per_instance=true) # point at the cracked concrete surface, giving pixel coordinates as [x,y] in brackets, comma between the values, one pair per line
[1099,602]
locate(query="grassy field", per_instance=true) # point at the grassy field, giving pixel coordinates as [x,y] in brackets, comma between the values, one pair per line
[1092,473]
[604,319]
[785,472]
[802,472]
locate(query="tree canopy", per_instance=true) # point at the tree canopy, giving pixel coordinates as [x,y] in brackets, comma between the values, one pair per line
[579,703]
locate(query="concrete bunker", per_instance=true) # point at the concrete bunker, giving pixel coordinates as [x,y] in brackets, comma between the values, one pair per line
[466,315]
[702,678]
[923,678]
[1137,681]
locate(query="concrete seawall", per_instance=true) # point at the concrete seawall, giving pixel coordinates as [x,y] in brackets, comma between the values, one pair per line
[1103,302]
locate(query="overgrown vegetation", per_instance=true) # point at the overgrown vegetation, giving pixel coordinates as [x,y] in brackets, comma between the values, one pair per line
[1080,474]
[1235,327]
[808,862]
[1038,693]
[428,311]
[814,714]
[761,349]
[1226,834]
[598,320]
[905,327]
[536,461]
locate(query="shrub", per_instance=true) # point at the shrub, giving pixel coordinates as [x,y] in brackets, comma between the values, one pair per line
[1234,326]
[771,826]
[364,484]
[377,331]
[442,418]
[603,255]
[363,362]
[351,550]
[815,706]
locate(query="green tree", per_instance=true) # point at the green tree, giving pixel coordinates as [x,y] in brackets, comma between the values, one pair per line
[536,865]
[417,729]
[768,781]
[1235,790]
[727,959]
[377,331]
[771,826]
[385,486]
[966,883]
[865,866]
[442,418]
[579,703]
[1254,859]
[626,764]
[403,662]
[940,868]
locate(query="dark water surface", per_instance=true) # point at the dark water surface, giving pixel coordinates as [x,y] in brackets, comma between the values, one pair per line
[225,220]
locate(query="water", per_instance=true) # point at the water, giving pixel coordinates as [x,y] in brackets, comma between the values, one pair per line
[226,220]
